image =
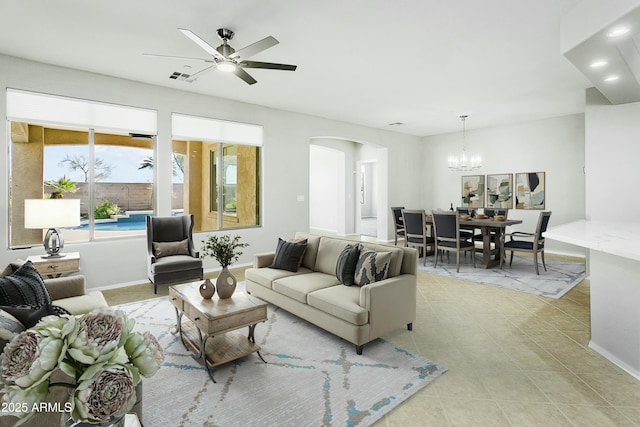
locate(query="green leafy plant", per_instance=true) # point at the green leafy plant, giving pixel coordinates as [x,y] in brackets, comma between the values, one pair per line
[61,186]
[105,209]
[223,248]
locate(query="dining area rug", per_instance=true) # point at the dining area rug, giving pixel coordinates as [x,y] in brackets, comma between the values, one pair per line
[311,378]
[561,275]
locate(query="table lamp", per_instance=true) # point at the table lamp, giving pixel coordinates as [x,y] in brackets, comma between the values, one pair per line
[52,214]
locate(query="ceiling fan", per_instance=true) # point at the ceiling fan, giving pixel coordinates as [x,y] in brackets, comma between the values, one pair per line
[227,59]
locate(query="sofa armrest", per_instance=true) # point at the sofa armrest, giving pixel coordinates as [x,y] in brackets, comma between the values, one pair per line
[263,260]
[390,302]
[65,287]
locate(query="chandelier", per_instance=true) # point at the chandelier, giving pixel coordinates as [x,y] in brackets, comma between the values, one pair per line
[464,162]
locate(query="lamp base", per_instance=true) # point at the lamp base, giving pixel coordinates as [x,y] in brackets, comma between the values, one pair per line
[53,256]
[53,243]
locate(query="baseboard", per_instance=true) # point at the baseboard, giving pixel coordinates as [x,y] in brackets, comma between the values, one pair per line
[139,282]
[613,359]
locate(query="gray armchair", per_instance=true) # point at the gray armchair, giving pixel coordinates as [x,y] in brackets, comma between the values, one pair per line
[171,257]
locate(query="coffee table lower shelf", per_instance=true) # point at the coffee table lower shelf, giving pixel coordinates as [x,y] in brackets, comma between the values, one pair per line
[220,349]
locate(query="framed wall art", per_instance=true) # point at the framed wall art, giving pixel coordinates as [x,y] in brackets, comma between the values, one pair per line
[500,191]
[530,192]
[473,191]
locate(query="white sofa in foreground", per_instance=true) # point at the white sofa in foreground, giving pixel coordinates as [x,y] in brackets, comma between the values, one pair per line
[314,292]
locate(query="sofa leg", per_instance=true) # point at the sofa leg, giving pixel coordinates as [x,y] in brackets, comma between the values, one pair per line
[155,288]
[410,326]
[359,349]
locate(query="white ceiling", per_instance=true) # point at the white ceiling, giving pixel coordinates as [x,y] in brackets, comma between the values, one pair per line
[370,62]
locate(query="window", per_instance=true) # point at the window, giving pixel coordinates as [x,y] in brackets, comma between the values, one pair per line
[53,155]
[221,185]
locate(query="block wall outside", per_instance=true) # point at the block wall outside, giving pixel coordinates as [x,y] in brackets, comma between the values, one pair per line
[128,196]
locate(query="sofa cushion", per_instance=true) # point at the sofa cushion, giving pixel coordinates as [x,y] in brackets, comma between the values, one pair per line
[372,267]
[289,255]
[9,327]
[163,249]
[309,258]
[299,286]
[329,250]
[341,302]
[266,276]
[82,304]
[346,265]
[24,287]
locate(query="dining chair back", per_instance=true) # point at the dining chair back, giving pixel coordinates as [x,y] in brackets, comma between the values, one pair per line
[533,243]
[491,212]
[415,228]
[448,238]
[398,223]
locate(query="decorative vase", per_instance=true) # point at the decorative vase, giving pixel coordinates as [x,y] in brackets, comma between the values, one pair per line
[207,289]
[225,284]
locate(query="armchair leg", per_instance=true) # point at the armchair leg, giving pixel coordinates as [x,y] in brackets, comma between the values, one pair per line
[543,264]
[359,349]
[511,260]
[535,262]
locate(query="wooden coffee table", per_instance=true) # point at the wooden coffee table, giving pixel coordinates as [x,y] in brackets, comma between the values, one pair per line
[212,330]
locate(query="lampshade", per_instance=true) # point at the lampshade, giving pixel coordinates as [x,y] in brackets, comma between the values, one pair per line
[51,213]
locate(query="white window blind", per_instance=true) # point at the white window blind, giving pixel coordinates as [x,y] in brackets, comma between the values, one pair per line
[206,129]
[53,109]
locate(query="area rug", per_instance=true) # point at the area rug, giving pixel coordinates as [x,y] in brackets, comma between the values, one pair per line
[561,276]
[311,378]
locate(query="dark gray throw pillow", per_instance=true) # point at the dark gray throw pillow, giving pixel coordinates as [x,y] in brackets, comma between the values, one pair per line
[24,287]
[288,255]
[30,316]
[346,265]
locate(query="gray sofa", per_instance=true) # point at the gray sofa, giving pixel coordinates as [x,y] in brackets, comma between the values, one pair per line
[314,293]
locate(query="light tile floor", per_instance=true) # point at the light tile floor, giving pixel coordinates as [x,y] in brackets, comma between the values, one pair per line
[514,359]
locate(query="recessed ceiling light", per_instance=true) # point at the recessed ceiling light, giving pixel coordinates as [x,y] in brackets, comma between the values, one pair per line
[611,79]
[618,32]
[598,63]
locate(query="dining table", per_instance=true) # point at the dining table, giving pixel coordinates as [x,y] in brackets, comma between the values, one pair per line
[486,227]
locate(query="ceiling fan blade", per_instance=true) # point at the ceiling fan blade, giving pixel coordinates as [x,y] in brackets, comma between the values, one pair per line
[193,77]
[268,65]
[254,48]
[200,42]
[178,57]
[244,76]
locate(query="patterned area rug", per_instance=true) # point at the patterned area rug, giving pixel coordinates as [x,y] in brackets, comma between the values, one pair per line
[312,378]
[561,276]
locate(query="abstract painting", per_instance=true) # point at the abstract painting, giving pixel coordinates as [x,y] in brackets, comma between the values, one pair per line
[500,191]
[473,191]
[530,193]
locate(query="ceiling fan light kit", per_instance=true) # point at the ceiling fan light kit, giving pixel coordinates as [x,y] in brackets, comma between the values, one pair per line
[229,60]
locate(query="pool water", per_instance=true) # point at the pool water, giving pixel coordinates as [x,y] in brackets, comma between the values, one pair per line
[132,222]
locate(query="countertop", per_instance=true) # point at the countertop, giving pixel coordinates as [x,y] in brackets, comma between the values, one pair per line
[621,238]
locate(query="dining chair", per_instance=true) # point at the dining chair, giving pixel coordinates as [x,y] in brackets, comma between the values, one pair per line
[415,229]
[534,244]
[398,222]
[448,238]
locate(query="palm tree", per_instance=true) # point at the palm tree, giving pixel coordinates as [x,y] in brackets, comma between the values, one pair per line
[178,164]
[61,186]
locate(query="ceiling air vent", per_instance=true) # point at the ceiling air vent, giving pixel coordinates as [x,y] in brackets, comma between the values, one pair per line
[180,76]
